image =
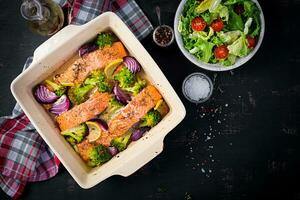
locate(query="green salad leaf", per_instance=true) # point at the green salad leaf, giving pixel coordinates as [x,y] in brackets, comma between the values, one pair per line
[216,40]
[203,50]
[188,14]
[204,6]
[202,34]
[247,25]
[239,47]
[221,12]
[229,61]
[231,2]
[208,17]
[214,5]
[229,37]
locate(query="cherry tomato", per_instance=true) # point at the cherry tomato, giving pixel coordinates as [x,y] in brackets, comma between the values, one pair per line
[239,9]
[221,52]
[251,42]
[217,25]
[198,24]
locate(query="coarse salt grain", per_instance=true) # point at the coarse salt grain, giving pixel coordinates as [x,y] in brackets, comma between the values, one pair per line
[197,88]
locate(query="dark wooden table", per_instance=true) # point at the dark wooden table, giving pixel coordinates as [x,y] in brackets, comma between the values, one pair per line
[244,143]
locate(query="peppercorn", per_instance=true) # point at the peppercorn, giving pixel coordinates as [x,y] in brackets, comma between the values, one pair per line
[163,35]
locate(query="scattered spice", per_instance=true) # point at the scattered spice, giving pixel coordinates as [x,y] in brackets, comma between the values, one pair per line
[163,35]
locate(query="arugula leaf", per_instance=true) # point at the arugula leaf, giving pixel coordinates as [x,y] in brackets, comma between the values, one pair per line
[250,8]
[256,24]
[235,21]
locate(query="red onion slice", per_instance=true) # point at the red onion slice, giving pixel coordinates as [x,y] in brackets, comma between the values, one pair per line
[138,133]
[132,64]
[87,48]
[61,105]
[113,151]
[44,95]
[121,96]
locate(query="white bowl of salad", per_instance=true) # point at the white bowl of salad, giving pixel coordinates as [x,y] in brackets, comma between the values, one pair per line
[219,35]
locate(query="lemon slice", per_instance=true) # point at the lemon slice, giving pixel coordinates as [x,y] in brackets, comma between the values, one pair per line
[67,84]
[162,107]
[111,67]
[94,131]
[158,104]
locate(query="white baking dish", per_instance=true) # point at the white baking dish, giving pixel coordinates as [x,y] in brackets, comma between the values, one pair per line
[49,56]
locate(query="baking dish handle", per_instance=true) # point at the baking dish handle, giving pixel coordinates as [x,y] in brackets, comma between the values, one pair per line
[49,45]
[129,168]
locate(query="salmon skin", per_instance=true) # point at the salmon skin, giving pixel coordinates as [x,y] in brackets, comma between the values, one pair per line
[131,114]
[83,112]
[78,71]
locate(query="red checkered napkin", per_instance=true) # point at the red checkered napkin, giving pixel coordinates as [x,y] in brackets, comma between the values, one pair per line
[82,11]
[24,156]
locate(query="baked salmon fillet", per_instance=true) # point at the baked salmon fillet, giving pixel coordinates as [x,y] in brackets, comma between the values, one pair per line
[131,114]
[100,58]
[83,112]
[84,148]
[78,71]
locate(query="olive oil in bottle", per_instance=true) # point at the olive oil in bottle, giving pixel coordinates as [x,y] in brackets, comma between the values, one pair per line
[44,17]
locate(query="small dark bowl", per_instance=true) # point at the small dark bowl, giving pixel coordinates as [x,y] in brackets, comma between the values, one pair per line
[169,43]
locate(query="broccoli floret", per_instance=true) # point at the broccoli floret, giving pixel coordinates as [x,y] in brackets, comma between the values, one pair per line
[125,77]
[122,142]
[150,119]
[137,87]
[98,155]
[94,78]
[111,109]
[103,87]
[114,104]
[97,78]
[76,134]
[78,93]
[58,89]
[105,39]
[71,140]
